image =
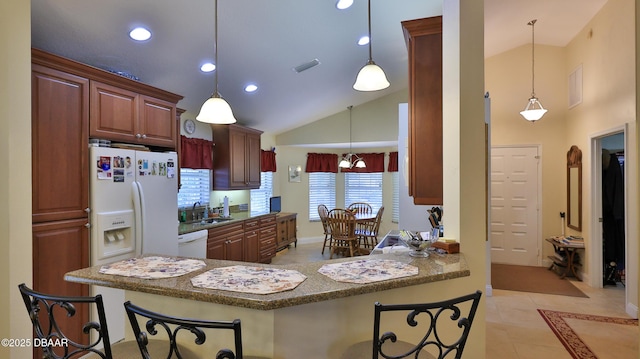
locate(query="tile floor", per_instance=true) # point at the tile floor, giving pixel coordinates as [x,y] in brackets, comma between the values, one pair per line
[515,330]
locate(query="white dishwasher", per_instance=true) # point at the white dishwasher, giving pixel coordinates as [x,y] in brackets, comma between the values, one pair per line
[193,244]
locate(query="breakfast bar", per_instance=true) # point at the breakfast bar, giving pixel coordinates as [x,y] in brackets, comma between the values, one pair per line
[319,314]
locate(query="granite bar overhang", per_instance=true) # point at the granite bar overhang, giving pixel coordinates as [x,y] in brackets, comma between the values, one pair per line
[316,288]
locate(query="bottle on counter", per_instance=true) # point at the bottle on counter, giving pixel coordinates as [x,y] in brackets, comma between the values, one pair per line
[183,216]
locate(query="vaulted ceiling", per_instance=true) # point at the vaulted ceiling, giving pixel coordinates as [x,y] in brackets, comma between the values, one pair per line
[262,41]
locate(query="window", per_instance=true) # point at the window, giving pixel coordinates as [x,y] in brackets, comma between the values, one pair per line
[322,190]
[260,197]
[194,187]
[395,210]
[363,187]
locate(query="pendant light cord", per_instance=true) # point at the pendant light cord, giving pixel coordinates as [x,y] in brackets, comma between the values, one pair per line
[350,150]
[533,57]
[369,19]
[215,53]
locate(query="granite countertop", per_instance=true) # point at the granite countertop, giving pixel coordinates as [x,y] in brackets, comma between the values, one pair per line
[317,287]
[186,227]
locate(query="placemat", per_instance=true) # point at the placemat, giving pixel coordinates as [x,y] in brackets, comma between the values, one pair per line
[153,267]
[245,279]
[367,270]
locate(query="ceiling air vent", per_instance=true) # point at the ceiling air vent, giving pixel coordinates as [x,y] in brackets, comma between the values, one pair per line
[306,66]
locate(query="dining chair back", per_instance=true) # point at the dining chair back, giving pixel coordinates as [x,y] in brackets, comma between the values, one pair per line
[49,316]
[342,225]
[368,231]
[171,326]
[323,212]
[360,207]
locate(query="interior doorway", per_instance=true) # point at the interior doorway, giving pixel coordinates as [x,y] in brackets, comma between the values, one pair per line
[609,244]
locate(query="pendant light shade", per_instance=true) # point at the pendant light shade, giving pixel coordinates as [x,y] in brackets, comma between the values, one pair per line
[371,77]
[216,110]
[534,110]
[351,160]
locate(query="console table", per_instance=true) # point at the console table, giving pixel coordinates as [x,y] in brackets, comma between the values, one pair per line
[570,249]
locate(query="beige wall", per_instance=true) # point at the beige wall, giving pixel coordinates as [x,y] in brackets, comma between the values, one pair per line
[606,50]
[15,161]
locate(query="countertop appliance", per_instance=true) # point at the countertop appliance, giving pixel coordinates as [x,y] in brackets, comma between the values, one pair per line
[193,244]
[134,210]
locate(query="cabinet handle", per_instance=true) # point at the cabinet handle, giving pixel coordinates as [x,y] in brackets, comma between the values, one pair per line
[138,135]
[144,136]
[87,210]
[87,225]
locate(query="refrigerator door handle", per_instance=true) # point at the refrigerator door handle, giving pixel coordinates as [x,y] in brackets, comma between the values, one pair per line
[137,197]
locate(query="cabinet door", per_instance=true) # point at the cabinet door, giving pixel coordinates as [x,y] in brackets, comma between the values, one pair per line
[114,113]
[253,161]
[281,232]
[291,229]
[60,247]
[59,141]
[251,240]
[215,248]
[233,247]
[157,122]
[238,144]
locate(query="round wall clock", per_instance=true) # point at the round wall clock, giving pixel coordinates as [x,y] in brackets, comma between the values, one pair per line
[189,126]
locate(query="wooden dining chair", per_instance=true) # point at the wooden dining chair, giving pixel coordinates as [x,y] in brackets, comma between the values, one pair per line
[49,316]
[342,224]
[323,212]
[368,231]
[360,207]
[442,326]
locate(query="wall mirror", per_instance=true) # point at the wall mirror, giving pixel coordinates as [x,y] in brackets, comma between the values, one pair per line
[574,188]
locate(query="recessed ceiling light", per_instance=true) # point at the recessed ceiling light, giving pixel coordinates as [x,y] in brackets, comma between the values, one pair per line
[140,34]
[208,67]
[363,40]
[343,4]
[251,88]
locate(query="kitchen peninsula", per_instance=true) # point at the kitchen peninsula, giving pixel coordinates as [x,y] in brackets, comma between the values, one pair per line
[320,315]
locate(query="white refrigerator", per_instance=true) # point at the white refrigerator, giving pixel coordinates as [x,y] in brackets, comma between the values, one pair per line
[134,211]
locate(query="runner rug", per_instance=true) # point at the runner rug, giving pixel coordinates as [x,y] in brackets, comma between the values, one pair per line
[531,279]
[561,325]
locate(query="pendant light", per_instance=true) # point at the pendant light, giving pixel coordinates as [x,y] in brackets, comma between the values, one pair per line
[351,159]
[371,77]
[216,110]
[534,110]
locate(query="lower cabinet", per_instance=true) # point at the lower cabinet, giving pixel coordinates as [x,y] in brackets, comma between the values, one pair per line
[267,238]
[286,227]
[226,242]
[252,240]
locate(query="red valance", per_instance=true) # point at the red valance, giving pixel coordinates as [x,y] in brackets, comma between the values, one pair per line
[322,162]
[374,162]
[196,153]
[267,161]
[393,162]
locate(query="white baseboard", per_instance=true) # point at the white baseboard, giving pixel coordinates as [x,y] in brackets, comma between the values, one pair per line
[488,290]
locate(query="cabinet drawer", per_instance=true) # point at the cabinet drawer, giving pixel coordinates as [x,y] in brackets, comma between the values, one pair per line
[269,231]
[251,224]
[267,242]
[226,230]
[267,220]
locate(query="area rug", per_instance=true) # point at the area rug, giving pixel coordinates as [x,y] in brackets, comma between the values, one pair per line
[531,279]
[569,338]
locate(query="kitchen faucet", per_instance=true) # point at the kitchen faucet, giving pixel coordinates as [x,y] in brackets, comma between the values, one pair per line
[193,210]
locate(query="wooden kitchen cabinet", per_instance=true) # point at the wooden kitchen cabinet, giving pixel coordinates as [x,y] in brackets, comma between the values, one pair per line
[59,145]
[267,238]
[286,227]
[236,157]
[251,240]
[424,45]
[126,116]
[226,242]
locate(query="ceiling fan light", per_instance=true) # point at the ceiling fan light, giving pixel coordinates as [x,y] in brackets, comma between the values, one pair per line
[360,163]
[534,110]
[343,4]
[371,78]
[216,111]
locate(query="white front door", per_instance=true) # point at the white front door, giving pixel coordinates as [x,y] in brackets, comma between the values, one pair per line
[514,206]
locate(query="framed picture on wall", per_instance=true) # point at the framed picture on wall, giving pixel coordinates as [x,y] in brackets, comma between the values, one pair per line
[294,173]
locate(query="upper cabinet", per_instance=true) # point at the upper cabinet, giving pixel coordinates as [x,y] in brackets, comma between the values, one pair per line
[236,157]
[424,45]
[121,109]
